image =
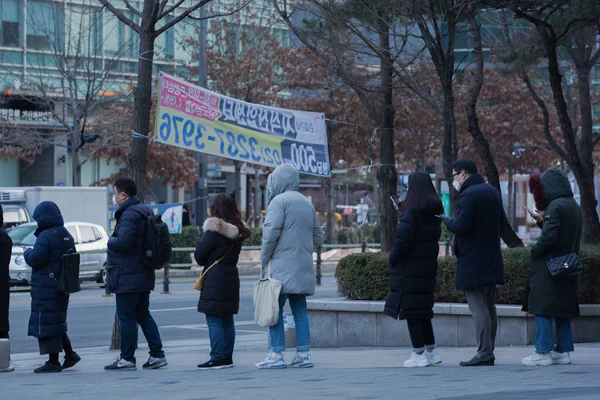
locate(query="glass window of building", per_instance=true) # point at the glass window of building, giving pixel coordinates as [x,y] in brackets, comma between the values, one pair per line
[10,26]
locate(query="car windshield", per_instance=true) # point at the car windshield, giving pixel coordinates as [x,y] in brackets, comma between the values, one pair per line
[21,233]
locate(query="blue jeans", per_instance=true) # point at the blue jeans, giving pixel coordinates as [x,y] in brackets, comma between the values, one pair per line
[221,331]
[544,340]
[277,333]
[132,308]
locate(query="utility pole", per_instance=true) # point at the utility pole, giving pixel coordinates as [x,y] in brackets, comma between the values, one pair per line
[201,203]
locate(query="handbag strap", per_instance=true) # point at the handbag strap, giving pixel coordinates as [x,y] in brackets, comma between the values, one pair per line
[262,270]
[215,263]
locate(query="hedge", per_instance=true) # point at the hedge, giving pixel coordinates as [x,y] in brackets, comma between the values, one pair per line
[365,277]
[189,237]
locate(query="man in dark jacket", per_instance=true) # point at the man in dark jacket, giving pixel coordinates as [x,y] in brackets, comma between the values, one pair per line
[130,279]
[5,254]
[477,248]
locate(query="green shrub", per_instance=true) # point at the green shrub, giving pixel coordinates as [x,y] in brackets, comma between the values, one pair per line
[446,235]
[189,237]
[348,236]
[370,233]
[363,276]
[255,238]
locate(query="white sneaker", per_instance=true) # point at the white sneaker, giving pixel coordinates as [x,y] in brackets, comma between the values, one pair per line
[301,361]
[10,368]
[433,357]
[560,358]
[273,361]
[538,359]
[417,360]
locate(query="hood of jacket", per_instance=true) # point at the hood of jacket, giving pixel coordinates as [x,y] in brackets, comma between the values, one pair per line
[47,215]
[283,179]
[221,227]
[556,185]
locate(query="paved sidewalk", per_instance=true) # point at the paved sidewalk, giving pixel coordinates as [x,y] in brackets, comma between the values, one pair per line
[352,373]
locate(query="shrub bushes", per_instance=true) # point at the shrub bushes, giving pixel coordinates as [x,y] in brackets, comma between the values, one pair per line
[255,238]
[365,277]
[189,237]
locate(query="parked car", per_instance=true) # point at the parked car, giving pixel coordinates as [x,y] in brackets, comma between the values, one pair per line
[88,237]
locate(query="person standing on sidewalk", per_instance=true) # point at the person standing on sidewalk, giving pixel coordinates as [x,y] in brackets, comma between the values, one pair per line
[291,230]
[221,243]
[480,267]
[130,279]
[5,254]
[413,267]
[48,320]
[562,225]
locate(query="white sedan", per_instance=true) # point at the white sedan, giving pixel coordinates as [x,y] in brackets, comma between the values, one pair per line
[90,240]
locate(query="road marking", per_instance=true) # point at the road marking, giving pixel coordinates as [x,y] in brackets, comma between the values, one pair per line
[174,309]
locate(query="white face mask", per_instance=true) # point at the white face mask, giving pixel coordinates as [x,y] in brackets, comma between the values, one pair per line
[456,185]
[114,199]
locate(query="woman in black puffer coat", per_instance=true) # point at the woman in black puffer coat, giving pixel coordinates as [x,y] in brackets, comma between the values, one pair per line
[221,244]
[413,267]
[48,320]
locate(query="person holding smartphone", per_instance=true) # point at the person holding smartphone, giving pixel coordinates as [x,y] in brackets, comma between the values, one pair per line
[413,267]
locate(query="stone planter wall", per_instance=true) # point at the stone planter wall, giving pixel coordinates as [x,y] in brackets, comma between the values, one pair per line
[351,323]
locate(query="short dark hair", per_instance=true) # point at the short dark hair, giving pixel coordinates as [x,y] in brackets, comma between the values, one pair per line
[465,164]
[126,185]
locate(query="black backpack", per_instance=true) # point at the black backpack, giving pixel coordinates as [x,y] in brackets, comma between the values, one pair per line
[68,280]
[157,241]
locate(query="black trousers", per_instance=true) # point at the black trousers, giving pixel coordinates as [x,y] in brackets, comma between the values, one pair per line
[55,344]
[421,332]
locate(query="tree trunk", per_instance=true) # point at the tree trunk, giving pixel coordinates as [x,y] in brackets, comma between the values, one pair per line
[76,158]
[483,149]
[115,341]
[142,103]
[386,174]
[330,211]
[237,165]
[581,163]
[257,197]
[511,203]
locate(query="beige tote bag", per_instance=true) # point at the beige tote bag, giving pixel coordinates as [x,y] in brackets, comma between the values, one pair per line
[266,299]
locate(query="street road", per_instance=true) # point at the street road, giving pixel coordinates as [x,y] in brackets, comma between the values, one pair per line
[91,316]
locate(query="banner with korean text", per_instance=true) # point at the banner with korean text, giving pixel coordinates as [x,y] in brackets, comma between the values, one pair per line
[198,119]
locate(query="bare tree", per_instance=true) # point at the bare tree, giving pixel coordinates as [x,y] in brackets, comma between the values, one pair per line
[77,85]
[148,29]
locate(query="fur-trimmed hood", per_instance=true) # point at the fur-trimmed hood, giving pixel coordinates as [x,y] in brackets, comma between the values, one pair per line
[221,227]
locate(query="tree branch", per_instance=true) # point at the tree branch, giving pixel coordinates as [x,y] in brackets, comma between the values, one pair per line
[132,8]
[117,13]
[540,102]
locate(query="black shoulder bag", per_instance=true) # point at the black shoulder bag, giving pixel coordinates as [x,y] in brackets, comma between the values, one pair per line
[68,280]
[569,264]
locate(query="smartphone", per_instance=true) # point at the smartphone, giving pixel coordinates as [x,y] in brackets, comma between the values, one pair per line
[533,215]
[394,203]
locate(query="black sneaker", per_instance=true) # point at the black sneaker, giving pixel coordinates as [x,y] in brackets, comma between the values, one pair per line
[48,368]
[121,365]
[217,364]
[155,363]
[71,360]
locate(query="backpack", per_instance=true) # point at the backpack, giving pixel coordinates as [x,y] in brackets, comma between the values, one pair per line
[157,241]
[68,280]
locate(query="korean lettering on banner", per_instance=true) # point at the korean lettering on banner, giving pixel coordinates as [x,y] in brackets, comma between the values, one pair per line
[198,119]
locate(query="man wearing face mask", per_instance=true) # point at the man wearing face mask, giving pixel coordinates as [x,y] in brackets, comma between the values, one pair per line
[477,248]
[130,279]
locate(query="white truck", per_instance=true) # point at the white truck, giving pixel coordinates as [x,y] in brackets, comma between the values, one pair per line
[83,204]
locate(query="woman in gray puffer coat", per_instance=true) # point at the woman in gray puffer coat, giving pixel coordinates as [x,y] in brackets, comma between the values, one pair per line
[553,297]
[290,232]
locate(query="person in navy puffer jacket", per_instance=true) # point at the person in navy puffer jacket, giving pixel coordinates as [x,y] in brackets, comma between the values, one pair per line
[131,279]
[48,320]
